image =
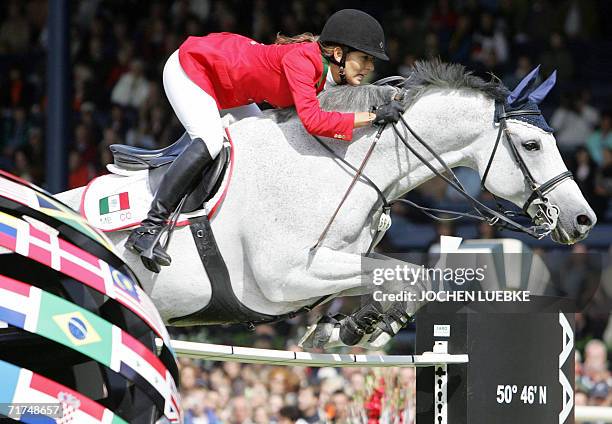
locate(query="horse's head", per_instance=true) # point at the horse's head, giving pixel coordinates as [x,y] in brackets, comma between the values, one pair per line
[527,168]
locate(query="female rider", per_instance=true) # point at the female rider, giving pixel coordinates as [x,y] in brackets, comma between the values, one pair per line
[222,71]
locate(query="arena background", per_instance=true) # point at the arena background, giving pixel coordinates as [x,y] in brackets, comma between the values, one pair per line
[116,53]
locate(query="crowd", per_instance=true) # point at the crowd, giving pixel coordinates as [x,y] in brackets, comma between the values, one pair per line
[117,53]
[236,393]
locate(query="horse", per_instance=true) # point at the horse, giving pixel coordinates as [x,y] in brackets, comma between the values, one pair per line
[285,187]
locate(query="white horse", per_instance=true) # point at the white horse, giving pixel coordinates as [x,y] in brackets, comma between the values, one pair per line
[286,186]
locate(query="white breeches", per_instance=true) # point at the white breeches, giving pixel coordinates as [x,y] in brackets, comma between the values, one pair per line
[195,108]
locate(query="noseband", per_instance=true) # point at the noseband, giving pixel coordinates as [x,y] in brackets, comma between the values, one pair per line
[537,206]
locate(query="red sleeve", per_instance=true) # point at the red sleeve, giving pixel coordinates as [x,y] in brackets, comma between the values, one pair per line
[301,74]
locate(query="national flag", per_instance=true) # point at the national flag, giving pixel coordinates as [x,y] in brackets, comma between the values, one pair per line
[19,303]
[9,375]
[138,363]
[125,290]
[18,193]
[11,233]
[124,283]
[25,386]
[48,249]
[114,203]
[64,322]
[59,211]
[36,199]
[75,327]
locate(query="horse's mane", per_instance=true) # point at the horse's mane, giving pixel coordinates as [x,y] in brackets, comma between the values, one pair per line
[425,75]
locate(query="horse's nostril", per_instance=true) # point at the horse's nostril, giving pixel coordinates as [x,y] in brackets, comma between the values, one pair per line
[583,220]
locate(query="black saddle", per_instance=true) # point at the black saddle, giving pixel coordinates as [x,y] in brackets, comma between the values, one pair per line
[158,161]
[137,158]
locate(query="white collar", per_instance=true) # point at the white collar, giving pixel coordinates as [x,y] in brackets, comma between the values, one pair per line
[329,79]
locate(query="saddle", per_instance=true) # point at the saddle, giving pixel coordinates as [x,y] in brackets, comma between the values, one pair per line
[157,161]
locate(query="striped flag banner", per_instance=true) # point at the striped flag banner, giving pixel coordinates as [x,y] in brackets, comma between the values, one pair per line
[37,199]
[46,247]
[22,386]
[87,333]
[114,203]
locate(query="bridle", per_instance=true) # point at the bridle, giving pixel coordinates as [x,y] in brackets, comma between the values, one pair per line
[538,206]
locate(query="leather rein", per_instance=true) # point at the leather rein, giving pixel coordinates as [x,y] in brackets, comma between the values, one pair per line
[544,214]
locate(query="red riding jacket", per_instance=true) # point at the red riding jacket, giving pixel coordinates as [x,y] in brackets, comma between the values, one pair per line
[236,71]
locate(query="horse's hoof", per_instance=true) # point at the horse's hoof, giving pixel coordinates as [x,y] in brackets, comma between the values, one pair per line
[150,264]
[319,335]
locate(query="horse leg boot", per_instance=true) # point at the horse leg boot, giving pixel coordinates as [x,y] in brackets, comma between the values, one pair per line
[175,184]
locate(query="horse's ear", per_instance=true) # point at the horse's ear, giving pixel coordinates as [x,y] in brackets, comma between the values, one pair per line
[543,89]
[524,88]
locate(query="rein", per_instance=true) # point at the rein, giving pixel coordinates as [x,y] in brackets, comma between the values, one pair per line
[545,214]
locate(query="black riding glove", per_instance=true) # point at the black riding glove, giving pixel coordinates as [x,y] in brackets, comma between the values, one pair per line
[389,113]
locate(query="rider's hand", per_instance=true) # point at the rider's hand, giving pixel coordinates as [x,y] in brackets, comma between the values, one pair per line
[389,113]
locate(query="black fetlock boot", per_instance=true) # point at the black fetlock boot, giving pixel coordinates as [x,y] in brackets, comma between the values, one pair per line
[175,184]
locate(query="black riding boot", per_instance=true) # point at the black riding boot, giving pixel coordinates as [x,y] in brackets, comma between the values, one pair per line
[175,184]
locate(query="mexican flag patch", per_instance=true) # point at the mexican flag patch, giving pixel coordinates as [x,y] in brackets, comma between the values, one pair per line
[114,203]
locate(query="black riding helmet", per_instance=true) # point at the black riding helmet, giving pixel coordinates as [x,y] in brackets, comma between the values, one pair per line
[356,30]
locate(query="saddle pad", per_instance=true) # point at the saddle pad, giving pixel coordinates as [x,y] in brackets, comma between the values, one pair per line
[115,202]
[121,200]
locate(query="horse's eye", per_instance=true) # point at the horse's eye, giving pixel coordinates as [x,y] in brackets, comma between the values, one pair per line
[531,145]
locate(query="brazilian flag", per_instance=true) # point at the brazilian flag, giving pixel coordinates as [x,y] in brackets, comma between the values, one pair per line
[75,327]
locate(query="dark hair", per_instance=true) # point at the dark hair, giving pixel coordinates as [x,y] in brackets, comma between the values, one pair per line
[305,37]
[327,49]
[289,411]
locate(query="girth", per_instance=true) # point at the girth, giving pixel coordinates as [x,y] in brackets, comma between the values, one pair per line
[224,307]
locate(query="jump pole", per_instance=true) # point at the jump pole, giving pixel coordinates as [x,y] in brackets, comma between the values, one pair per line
[439,360]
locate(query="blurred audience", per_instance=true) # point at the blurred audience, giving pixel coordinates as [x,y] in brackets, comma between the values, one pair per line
[118,51]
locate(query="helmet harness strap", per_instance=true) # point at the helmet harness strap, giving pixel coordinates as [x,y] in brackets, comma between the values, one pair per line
[341,63]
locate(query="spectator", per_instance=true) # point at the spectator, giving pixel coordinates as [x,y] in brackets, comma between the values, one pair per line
[557,58]
[571,126]
[524,66]
[460,42]
[600,394]
[308,404]
[595,359]
[15,30]
[15,132]
[601,138]
[584,170]
[489,41]
[240,411]
[132,88]
[340,406]
[290,415]
[603,181]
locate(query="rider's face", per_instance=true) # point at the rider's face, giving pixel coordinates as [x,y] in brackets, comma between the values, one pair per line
[357,66]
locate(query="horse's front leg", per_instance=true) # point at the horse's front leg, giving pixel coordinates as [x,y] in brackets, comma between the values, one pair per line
[377,321]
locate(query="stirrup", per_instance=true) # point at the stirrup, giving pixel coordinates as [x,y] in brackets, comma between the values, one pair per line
[148,256]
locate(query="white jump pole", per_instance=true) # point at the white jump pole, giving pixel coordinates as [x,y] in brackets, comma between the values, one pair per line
[593,413]
[439,359]
[214,352]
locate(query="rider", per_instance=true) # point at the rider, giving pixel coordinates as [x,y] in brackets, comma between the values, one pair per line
[222,71]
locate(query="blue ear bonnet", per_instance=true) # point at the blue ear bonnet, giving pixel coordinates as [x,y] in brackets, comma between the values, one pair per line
[535,120]
[526,96]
